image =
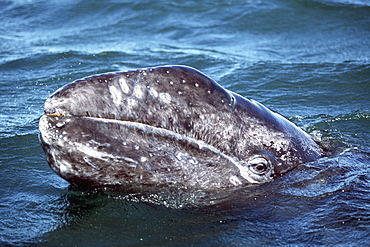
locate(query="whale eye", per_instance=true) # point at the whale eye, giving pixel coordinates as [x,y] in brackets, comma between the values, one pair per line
[260,167]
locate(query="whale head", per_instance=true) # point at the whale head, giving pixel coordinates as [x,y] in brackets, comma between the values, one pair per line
[166,126]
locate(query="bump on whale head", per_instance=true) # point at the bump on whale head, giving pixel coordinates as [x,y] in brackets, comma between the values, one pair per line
[169,126]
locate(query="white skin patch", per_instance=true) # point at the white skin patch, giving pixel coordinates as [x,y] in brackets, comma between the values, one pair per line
[94,153]
[193,161]
[179,155]
[132,102]
[138,92]
[64,167]
[45,129]
[143,159]
[235,181]
[124,86]
[116,95]
[60,124]
[153,92]
[185,157]
[165,98]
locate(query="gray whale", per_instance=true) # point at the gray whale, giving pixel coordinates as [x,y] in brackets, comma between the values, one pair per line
[168,126]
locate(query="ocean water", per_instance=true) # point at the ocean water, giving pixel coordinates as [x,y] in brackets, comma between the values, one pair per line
[309,60]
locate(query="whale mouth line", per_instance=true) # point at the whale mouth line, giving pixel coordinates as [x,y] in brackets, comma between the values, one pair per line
[149,129]
[146,128]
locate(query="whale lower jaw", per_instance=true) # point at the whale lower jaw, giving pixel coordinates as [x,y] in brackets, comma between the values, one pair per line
[110,160]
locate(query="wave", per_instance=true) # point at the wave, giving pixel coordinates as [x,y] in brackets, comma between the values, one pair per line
[349,3]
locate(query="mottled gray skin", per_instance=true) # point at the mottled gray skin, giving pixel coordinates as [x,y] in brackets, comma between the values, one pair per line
[168,126]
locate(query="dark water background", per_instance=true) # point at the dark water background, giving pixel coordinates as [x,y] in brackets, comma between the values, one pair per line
[308,60]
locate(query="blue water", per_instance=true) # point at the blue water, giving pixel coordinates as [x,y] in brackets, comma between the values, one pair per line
[309,60]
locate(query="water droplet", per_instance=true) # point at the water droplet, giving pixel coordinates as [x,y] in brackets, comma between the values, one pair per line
[124,143]
[208,91]
[179,92]
[171,82]
[183,81]
[136,147]
[167,71]
[196,85]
